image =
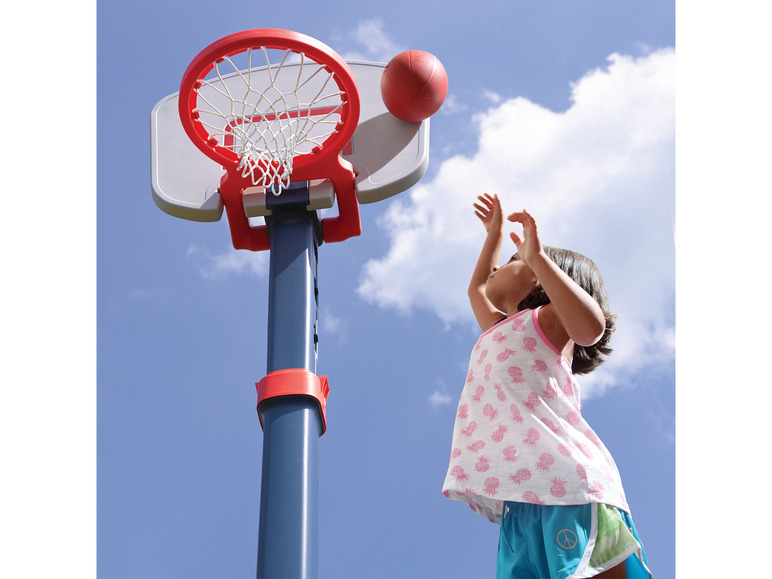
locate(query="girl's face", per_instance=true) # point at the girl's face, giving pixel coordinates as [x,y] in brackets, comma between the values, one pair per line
[509,284]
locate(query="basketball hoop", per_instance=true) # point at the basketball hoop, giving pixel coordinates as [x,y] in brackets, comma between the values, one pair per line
[268,130]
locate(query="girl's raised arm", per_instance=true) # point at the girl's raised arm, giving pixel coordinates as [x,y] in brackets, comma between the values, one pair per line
[488,210]
[576,311]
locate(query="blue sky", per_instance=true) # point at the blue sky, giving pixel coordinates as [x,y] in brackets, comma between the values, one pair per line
[566,108]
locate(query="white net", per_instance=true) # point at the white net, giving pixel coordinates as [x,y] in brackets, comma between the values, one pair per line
[270,111]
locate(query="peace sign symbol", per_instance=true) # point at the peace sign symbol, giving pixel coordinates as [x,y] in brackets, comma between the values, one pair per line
[566,539]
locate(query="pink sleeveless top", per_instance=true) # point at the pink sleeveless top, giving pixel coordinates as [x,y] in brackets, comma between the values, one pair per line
[519,433]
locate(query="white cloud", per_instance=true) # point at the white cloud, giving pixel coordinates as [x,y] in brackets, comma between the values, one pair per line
[145,294]
[491,96]
[231,261]
[372,42]
[332,325]
[439,398]
[452,105]
[599,178]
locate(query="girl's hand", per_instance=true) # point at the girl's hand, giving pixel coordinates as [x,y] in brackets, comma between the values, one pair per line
[575,314]
[488,210]
[529,245]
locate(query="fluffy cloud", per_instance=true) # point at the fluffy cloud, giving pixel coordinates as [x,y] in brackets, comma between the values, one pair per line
[373,43]
[599,178]
[440,398]
[216,266]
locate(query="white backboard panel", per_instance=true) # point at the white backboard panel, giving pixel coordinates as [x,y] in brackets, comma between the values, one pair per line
[388,155]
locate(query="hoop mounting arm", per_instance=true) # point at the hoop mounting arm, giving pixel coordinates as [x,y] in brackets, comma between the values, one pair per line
[243,235]
[347,223]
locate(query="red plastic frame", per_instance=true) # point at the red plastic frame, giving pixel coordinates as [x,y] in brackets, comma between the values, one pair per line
[323,162]
[294,382]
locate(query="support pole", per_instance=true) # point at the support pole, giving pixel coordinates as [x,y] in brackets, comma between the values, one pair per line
[292,425]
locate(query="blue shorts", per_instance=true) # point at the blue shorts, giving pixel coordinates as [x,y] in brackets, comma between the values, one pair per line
[558,542]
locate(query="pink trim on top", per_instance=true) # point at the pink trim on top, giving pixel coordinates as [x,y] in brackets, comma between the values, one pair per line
[537,326]
[504,321]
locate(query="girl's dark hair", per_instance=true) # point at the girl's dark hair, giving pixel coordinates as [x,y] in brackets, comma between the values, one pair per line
[586,274]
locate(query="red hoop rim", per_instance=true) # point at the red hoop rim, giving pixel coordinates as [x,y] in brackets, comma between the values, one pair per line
[271,38]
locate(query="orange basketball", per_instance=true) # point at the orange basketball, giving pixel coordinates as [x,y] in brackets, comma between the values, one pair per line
[414,85]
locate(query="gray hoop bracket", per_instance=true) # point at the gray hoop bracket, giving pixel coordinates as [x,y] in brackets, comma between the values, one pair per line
[294,382]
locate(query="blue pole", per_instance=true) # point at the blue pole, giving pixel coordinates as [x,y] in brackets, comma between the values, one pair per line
[292,425]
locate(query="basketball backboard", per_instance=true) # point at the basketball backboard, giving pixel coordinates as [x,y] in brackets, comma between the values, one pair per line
[388,155]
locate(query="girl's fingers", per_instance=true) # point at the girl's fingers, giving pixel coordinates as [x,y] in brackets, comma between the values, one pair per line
[520,216]
[482,215]
[525,218]
[487,205]
[487,201]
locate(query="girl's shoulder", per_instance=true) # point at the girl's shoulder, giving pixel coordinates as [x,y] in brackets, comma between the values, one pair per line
[553,331]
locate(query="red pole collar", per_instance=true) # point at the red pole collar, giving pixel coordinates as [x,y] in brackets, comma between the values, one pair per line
[294,382]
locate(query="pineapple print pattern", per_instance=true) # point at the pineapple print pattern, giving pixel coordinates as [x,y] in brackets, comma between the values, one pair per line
[519,433]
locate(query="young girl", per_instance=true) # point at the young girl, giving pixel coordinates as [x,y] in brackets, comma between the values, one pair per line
[522,455]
